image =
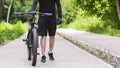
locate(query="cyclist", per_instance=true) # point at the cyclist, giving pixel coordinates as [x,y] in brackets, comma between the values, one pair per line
[47,24]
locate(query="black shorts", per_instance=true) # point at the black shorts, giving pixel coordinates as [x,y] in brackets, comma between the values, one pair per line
[46,25]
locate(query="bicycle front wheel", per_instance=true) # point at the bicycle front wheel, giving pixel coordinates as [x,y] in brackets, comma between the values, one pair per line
[34,46]
[29,44]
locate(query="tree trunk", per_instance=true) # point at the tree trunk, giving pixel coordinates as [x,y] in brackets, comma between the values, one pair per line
[9,9]
[118,8]
[1,7]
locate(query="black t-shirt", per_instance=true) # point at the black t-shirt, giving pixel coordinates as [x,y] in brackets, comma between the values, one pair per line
[48,6]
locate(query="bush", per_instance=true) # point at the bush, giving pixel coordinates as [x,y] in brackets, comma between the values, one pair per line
[9,32]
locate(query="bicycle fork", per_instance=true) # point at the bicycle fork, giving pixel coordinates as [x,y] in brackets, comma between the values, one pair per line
[29,39]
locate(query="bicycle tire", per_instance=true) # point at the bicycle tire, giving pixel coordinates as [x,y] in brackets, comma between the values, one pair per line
[34,46]
[29,43]
[29,53]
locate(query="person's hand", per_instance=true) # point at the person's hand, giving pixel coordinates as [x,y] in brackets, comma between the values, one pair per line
[32,12]
[59,21]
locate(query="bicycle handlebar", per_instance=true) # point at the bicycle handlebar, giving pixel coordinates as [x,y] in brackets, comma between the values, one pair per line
[34,13]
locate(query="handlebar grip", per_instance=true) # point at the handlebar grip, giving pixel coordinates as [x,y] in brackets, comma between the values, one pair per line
[18,13]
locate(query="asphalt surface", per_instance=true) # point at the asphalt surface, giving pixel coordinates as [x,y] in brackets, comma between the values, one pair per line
[67,55]
[105,43]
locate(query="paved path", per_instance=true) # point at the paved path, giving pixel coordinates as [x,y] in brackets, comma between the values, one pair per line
[106,43]
[67,55]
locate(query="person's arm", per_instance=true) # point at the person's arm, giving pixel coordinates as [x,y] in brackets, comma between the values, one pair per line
[34,5]
[59,9]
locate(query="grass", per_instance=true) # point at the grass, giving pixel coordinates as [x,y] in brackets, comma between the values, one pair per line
[92,24]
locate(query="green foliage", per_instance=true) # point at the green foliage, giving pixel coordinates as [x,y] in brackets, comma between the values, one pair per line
[84,22]
[98,16]
[93,24]
[69,12]
[105,9]
[17,6]
[10,32]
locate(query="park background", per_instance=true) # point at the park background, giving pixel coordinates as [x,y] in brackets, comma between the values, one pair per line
[97,16]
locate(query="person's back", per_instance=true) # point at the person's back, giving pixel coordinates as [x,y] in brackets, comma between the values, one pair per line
[44,5]
[48,6]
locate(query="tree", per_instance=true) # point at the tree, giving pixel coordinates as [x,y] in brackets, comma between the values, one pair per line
[11,6]
[1,7]
[118,8]
[9,9]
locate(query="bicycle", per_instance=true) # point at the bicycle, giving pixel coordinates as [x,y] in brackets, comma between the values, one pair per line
[32,36]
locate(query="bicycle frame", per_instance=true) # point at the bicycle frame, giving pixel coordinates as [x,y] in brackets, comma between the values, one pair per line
[32,36]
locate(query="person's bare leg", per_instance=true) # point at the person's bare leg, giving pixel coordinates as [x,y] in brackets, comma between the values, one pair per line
[51,41]
[43,48]
[43,44]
